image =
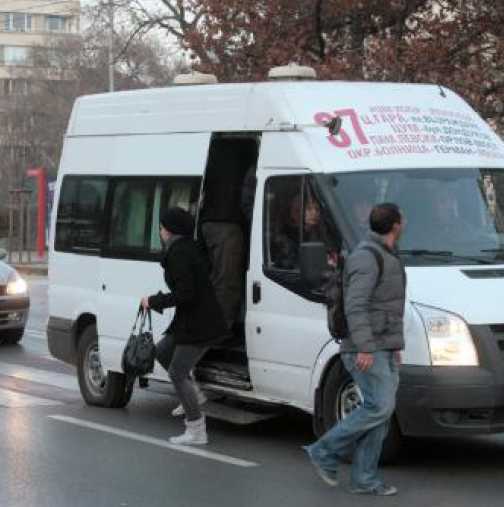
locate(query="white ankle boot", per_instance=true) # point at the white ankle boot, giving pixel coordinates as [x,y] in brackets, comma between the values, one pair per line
[202,399]
[195,433]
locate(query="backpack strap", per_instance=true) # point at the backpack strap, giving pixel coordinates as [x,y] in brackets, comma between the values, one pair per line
[379,260]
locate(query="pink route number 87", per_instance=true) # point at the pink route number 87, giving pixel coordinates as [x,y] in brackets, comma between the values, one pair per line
[342,138]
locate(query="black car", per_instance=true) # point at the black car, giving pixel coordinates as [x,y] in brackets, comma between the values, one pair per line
[14,304]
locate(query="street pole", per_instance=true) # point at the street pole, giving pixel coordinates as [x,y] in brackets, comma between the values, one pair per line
[40,174]
[111,45]
[21,216]
[11,224]
[28,231]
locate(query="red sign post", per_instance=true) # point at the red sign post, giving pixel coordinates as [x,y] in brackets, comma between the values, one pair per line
[40,174]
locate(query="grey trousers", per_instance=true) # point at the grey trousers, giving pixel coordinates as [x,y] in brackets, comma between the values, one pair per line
[226,249]
[178,361]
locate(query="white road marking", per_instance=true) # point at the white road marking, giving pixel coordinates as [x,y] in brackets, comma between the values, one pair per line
[40,376]
[13,399]
[39,282]
[36,333]
[223,458]
[35,330]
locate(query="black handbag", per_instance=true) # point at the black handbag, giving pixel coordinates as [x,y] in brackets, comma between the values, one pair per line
[140,351]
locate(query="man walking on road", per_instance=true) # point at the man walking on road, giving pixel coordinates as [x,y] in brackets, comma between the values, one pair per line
[374,294]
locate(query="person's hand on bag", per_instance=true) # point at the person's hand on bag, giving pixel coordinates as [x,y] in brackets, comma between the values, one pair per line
[364,361]
[145,303]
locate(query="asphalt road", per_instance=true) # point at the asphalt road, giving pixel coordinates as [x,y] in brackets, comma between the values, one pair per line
[57,452]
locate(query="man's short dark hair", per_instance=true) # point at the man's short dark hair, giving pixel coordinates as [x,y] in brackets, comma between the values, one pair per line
[383,217]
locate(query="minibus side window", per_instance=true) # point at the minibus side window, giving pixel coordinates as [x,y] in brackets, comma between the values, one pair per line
[130,217]
[155,239]
[91,194]
[282,227]
[136,205]
[79,225]
[292,215]
[64,222]
[182,192]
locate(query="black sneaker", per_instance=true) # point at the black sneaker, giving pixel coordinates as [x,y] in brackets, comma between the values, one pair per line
[381,490]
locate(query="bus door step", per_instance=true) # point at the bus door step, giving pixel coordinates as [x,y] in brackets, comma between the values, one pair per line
[238,412]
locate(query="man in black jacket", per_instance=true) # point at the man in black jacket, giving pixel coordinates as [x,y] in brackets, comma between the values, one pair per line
[198,320]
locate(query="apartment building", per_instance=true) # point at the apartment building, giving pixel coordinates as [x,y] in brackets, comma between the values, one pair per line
[26,28]
[30,30]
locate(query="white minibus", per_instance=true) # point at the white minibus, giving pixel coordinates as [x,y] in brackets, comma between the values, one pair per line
[127,156]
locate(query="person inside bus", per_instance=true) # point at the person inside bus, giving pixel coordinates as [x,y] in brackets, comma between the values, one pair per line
[445,208]
[287,240]
[450,227]
[222,227]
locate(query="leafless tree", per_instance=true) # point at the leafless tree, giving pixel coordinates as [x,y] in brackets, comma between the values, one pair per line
[35,115]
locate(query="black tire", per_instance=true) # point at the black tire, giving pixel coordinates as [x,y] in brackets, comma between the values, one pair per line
[11,336]
[339,397]
[98,389]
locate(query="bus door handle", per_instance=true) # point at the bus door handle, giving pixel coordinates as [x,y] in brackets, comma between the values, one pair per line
[256,292]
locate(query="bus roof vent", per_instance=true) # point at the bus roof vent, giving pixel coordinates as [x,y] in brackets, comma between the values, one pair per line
[194,78]
[291,72]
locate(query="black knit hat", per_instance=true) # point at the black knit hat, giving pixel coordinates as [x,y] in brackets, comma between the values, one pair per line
[178,221]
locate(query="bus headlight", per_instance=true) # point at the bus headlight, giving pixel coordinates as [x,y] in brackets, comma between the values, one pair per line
[16,286]
[450,341]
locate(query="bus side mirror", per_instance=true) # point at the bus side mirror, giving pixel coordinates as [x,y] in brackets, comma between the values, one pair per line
[3,254]
[313,263]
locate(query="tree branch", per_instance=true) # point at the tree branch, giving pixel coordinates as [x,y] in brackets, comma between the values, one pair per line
[319,30]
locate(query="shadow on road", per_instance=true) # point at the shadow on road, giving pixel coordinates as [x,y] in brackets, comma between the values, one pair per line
[295,428]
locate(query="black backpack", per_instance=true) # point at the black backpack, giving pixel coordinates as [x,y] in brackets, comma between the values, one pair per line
[333,292]
[140,352]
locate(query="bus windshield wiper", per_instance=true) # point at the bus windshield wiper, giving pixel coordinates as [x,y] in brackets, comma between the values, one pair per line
[444,253]
[493,250]
[420,252]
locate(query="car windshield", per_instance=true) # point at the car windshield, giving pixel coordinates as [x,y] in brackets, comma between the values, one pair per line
[453,216]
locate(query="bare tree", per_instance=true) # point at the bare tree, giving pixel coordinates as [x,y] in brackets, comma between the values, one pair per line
[457,43]
[35,117]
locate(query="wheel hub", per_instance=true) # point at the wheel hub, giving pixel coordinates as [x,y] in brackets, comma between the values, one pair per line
[349,399]
[95,377]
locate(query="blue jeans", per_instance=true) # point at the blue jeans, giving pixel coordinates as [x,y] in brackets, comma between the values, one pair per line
[365,428]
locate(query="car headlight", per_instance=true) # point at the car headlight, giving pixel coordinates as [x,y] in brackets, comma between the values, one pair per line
[16,286]
[450,340]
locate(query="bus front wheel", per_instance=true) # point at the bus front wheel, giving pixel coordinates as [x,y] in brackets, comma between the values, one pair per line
[341,395]
[97,388]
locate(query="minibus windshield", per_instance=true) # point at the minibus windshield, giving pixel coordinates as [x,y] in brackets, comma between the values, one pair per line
[452,216]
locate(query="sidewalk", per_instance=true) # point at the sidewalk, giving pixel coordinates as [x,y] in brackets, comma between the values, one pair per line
[37,266]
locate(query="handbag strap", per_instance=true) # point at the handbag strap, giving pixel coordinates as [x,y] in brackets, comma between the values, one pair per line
[137,319]
[146,315]
[140,311]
